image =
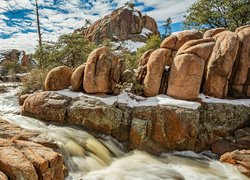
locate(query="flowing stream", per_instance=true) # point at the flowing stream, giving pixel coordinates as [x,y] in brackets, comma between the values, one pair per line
[91,158]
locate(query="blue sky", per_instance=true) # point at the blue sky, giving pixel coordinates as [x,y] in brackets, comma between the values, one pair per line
[18,20]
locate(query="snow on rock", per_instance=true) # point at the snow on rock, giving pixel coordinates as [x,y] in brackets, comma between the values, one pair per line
[135,101]
[20,59]
[145,32]
[132,46]
[68,93]
[167,68]
[136,13]
[208,99]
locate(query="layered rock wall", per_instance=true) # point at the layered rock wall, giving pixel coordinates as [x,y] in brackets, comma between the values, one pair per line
[154,128]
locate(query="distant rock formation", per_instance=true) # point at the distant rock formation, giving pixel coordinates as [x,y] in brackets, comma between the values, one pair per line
[122,24]
[14,55]
[10,63]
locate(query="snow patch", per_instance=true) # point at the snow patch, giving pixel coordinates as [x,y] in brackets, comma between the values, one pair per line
[136,101]
[132,46]
[139,101]
[20,59]
[208,99]
[68,93]
[167,68]
[145,32]
[136,13]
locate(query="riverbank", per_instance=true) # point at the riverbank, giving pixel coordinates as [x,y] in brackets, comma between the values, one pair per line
[92,157]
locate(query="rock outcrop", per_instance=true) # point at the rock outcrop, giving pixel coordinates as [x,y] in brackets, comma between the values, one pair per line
[164,127]
[122,24]
[46,106]
[102,71]
[23,157]
[188,67]
[240,159]
[240,79]
[14,55]
[220,64]
[58,78]
[174,42]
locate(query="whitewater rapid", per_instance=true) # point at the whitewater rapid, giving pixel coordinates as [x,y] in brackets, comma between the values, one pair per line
[101,157]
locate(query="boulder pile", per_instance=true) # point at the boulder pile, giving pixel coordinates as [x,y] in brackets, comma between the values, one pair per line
[216,64]
[187,64]
[100,74]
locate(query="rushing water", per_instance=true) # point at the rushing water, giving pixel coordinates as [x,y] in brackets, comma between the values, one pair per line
[91,158]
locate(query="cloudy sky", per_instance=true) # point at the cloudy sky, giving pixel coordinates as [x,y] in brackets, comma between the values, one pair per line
[18,21]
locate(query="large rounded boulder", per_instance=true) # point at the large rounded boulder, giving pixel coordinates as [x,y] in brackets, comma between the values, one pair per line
[174,42]
[240,78]
[212,32]
[187,69]
[58,78]
[220,64]
[77,78]
[155,68]
[102,71]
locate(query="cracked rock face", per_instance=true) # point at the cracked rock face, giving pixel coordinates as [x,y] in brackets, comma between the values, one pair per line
[121,24]
[155,128]
[188,68]
[102,71]
[239,84]
[240,159]
[22,155]
[220,64]
[46,106]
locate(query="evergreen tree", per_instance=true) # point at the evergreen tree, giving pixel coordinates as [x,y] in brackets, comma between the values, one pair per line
[229,14]
[167,27]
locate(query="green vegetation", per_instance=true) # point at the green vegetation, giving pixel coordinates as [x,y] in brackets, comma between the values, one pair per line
[229,14]
[13,67]
[130,4]
[132,59]
[153,42]
[70,50]
[34,81]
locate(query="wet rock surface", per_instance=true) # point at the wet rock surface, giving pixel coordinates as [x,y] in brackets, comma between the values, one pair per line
[240,159]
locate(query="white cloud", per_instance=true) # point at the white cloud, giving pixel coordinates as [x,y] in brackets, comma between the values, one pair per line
[55,22]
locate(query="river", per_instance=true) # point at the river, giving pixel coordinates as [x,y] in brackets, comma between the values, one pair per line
[103,158]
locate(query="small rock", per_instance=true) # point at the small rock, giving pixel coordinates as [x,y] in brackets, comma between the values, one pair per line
[240,159]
